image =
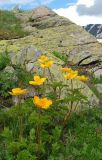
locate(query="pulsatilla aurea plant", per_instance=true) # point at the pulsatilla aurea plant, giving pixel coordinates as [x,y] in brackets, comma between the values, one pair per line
[37,127]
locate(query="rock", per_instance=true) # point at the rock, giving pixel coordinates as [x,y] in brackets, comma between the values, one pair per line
[99,88]
[41,17]
[29,67]
[98,73]
[94,100]
[9,69]
[42,12]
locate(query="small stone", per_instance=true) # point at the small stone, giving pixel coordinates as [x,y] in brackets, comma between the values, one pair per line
[98,73]
[9,69]
[99,88]
[29,66]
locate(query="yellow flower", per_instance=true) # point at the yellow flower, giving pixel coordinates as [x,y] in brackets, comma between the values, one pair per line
[82,78]
[43,103]
[37,81]
[43,59]
[47,64]
[66,69]
[71,75]
[17,91]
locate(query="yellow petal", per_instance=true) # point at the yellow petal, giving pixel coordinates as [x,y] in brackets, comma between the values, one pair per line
[43,79]
[36,78]
[43,66]
[32,82]
[43,59]
[36,100]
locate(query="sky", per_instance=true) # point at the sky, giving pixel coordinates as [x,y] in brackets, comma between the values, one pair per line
[81,12]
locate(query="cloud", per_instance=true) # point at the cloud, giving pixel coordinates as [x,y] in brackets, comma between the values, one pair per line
[70,4]
[87,3]
[95,9]
[73,14]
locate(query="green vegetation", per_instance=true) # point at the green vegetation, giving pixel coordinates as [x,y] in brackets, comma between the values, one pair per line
[10,77]
[19,77]
[47,125]
[97,80]
[10,26]
[82,138]
[64,58]
[4,60]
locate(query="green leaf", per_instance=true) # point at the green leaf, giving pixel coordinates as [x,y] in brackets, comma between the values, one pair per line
[56,133]
[7,134]
[32,134]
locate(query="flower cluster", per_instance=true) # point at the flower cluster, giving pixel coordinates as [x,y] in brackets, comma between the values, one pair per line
[45,62]
[45,103]
[71,74]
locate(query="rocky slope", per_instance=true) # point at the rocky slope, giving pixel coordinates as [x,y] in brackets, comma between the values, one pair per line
[94,29]
[49,32]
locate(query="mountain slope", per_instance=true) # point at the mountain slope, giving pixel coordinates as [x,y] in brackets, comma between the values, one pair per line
[94,29]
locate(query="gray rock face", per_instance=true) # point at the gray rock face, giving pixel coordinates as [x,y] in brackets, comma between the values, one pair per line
[42,18]
[42,12]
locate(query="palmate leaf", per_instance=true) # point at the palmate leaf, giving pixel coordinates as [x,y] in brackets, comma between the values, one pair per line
[25,155]
[75,96]
[15,147]
[56,84]
[7,134]
[37,119]
[56,133]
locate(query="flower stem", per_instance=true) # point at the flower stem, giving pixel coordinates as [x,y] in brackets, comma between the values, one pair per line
[21,128]
[20,119]
[38,134]
[69,113]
